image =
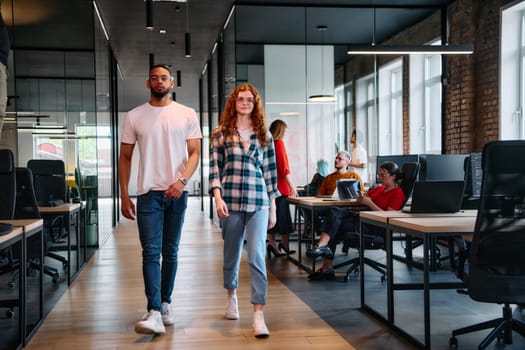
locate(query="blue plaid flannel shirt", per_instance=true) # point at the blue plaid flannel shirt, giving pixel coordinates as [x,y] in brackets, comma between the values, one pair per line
[247,180]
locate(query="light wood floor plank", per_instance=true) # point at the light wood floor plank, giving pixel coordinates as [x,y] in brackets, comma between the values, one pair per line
[101,307]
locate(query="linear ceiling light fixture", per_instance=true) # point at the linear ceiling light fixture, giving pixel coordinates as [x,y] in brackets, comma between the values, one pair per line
[101,21]
[149,14]
[187,35]
[322,97]
[464,49]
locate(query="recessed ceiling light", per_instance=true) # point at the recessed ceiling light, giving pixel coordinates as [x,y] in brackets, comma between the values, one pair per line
[162,30]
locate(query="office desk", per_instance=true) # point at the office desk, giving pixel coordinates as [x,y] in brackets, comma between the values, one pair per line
[33,299]
[30,301]
[310,203]
[68,211]
[427,228]
[15,240]
[381,219]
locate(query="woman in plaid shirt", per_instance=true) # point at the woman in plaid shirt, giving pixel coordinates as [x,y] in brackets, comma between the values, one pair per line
[243,181]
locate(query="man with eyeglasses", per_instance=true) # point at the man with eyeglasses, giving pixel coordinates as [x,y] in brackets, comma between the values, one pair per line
[168,135]
[342,161]
[327,188]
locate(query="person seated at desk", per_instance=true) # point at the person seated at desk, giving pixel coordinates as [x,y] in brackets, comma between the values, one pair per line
[342,161]
[329,183]
[317,179]
[387,196]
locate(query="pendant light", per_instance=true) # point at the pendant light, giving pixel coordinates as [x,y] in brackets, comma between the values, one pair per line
[322,97]
[149,14]
[187,35]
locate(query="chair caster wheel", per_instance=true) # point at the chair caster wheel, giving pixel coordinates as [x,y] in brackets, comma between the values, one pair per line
[453,343]
[10,285]
[10,313]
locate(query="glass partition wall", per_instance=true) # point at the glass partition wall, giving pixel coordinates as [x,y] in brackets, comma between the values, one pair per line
[304,53]
[61,103]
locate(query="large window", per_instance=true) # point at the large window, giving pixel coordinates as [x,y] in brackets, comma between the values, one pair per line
[365,119]
[425,103]
[512,78]
[390,118]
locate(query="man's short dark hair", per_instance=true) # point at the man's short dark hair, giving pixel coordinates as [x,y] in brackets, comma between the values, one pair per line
[160,66]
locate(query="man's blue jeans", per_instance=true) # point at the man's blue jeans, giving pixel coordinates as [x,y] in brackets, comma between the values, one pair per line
[160,221]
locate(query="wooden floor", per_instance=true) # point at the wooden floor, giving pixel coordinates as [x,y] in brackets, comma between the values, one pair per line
[101,307]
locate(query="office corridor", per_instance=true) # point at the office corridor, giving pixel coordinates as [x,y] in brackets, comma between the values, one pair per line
[101,307]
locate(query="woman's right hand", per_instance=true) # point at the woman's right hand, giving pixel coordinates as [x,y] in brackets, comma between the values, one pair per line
[222,209]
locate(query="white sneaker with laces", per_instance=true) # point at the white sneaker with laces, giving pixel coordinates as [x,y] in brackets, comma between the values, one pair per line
[168,318]
[232,309]
[259,327]
[151,323]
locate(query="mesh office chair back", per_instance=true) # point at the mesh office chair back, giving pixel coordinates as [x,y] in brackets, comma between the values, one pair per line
[497,263]
[26,206]
[410,173]
[49,178]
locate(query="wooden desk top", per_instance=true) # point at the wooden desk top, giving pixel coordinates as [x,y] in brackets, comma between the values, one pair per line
[384,216]
[436,224]
[17,231]
[322,202]
[63,208]
[26,224]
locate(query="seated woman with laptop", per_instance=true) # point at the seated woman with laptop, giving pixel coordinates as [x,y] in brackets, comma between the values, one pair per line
[387,196]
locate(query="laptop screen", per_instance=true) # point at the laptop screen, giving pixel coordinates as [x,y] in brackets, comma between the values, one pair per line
[347,189]
[437,196]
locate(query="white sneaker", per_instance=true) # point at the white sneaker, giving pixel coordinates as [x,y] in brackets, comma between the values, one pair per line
[168,318]
[232,310]
[151,323]
[259,327]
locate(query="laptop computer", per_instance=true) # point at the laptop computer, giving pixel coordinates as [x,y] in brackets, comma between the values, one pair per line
[436,197]
[347,189]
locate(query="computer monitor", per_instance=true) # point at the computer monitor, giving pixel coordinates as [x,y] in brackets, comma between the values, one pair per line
[473,175]
[399,159]
[442,167]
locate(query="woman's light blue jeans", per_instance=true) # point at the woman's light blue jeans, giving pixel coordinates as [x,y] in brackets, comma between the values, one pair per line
[160,221]
[233,227]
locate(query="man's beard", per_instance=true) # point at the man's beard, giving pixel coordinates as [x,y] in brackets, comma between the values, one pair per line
[159,94]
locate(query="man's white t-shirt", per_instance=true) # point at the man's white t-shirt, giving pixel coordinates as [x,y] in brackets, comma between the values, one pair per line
[359,156]
[161,134]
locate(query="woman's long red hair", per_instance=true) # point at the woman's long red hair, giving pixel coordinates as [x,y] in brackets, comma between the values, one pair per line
[228,117]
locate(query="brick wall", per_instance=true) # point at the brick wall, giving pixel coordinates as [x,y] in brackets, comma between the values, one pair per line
[472,81]
[472,108]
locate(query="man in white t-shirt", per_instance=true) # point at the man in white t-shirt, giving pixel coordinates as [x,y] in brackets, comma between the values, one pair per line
[168,135]
[359,157]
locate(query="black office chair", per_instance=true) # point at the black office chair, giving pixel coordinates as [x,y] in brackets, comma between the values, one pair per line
[373,238]
[458,246]
[49,179]
[49,183]
[26,208]
[496,261]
